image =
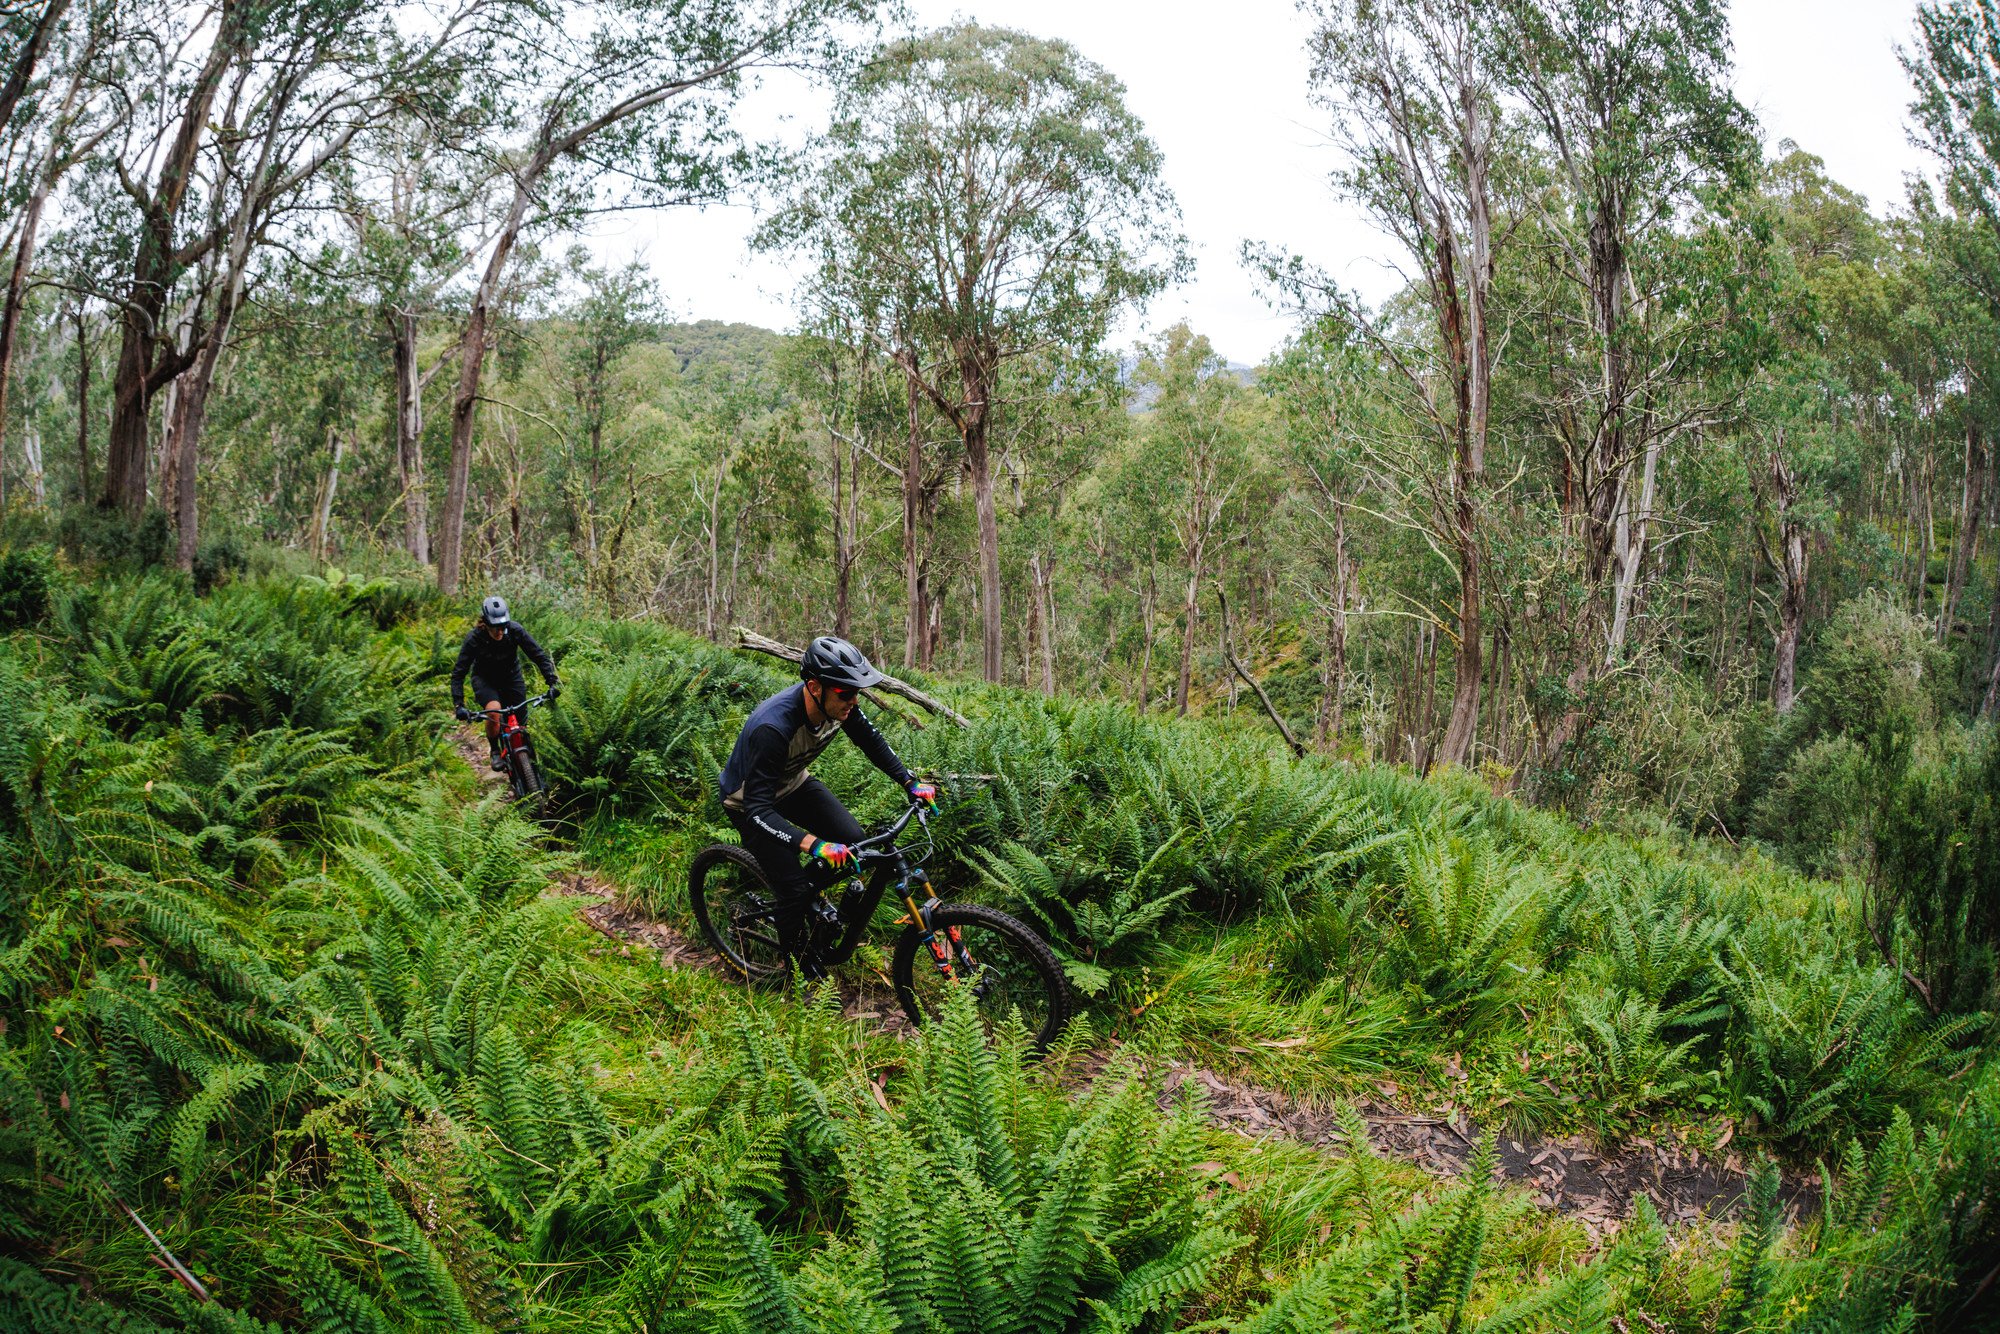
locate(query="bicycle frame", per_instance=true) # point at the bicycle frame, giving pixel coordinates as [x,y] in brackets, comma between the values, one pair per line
[513,734]
[886,866]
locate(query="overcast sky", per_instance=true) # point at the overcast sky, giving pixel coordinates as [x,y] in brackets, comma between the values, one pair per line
[1222,90]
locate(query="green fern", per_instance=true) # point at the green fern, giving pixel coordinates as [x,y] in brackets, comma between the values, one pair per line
[1751,1264]
[330,1303]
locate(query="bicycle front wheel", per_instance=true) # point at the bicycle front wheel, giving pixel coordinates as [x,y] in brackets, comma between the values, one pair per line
[1011,970]
[529,793]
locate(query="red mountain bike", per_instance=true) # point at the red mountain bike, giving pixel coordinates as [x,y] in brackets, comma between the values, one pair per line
[517,756]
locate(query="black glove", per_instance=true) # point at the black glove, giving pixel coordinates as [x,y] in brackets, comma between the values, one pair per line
[555,688]
[465,715]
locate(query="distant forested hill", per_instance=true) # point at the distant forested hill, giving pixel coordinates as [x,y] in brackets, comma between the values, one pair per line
[722,345]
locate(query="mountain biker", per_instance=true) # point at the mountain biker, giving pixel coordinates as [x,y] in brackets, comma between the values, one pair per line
[771,798]
[491,654]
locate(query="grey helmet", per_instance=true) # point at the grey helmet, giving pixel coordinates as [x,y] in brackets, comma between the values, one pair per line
[494,611]
[838,663]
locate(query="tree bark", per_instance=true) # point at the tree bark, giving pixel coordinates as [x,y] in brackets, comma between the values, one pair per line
[1791,562]
[409,432]
[471,361]
[10,315]
[147,359]
[1978,459]
[1333,671]
[1042,571]
[978,380]
[1629,549]
[83,487]
[22,71]
[913,499]
[1270,710]
[192,414]
[1468,263]
[756,643]
[1990,702]
[1184,681]
[323,503]
[1146,614]
[1465,333]
[31,454]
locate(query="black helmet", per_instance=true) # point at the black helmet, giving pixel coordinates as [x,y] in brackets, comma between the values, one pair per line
[838,663]
[494,611]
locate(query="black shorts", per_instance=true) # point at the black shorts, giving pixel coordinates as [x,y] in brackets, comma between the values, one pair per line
[506,692]
[813,808]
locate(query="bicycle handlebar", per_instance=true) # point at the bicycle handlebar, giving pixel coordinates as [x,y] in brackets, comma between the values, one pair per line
[873,846]
[540,699]
[879,847]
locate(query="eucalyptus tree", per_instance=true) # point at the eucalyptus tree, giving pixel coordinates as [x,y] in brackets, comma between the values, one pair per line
[413,192]
[244,108]
[71,119]
[997,187]
[612,313]
[1413,89]
[1636,120]
[28,30]
[636,91]
[1060,418]
[1327,387]
[1194,459]
[1955,67]
[854,393]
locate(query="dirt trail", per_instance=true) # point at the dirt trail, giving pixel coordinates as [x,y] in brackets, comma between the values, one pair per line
[1568,1175]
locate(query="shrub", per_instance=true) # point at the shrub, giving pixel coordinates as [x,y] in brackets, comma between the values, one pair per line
[1466,917]
[1815,810]
[93,535]
[1937,863]
[217,560]
[630,734]
[27,579]
[1824,1044]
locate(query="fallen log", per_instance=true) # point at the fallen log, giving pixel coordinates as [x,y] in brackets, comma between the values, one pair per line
[756,643]
[1250,680]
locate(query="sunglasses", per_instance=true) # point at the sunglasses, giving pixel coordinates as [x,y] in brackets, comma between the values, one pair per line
[845,694]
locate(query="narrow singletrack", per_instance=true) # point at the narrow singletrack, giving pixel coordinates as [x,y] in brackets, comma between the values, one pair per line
[1568,1175]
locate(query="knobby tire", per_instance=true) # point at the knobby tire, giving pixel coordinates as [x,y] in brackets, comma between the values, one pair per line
[710,898]
[1030,963]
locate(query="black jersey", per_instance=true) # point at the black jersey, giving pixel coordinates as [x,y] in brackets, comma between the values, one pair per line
[773,751]
[497,661]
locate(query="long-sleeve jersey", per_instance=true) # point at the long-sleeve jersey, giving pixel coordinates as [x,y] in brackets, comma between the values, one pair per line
[496,661]
[772,753]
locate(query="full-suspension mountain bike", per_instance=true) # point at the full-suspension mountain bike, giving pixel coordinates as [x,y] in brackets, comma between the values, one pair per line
[1010,968]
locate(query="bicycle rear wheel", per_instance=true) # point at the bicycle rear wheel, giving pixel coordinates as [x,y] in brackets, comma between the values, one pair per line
[734,905]
[1010,969]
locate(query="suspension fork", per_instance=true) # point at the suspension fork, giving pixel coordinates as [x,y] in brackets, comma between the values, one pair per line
[947,950]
